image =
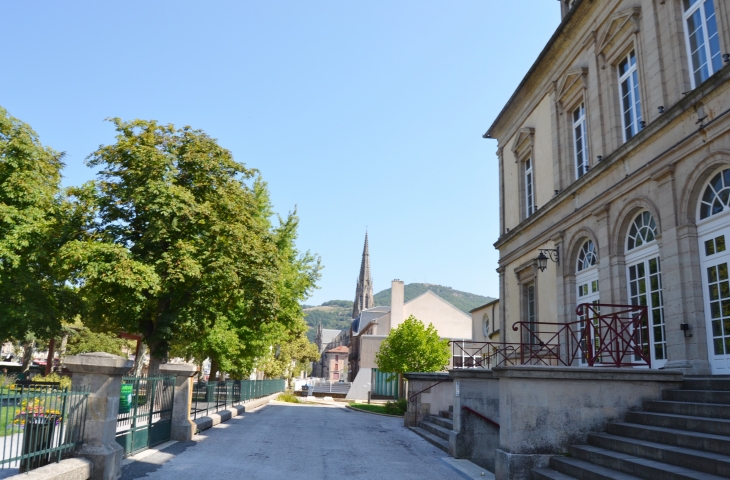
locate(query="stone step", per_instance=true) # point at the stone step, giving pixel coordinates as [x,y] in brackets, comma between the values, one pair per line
[713,426]
[549,474]
[707,383]
[437,430]
[583,470]
[669,436]
[711,410]
[442,422]
[445,414]
[698,460]
[633,465]
[431,438]
[697,396]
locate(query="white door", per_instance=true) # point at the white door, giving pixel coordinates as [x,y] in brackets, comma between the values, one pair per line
[587,283]
[715,258]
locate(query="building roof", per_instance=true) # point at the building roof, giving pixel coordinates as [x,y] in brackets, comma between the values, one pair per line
[485,305]
[329,334]
[340,349]
[531,71]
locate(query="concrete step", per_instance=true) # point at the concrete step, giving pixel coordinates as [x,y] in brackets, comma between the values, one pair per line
[707,383]
[633,465]
[697,396]
[442,422]
[669,436]
[711,410]
[549,474]
[713,426]
[583,470]
[431,438]
[437,430]
[445,414]
[707,462]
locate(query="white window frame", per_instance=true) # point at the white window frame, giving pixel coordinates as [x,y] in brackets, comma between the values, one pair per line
[693,70]
[529,180]
[580,145]
[631,78]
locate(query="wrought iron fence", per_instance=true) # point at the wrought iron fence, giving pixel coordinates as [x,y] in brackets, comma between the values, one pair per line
[145,412]
[210,397]
[40,425]
[604,335]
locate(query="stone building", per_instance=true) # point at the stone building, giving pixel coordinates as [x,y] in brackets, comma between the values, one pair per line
[364,297]
[614,162]
[335,364]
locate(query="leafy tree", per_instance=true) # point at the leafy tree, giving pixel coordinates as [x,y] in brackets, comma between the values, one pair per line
[173,249]
[289,358]
[34,219]
[85,341]
[413,347]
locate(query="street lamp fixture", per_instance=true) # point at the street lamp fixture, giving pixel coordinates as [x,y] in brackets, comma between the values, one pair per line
[545,254]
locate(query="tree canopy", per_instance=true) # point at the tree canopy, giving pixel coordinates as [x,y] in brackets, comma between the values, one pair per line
[413,347]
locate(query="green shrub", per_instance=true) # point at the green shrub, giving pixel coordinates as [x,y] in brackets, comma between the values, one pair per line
[288,397]
[398,407]
[54,377]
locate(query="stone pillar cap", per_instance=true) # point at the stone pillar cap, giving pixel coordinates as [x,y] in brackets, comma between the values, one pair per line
[179,369]
[98,363]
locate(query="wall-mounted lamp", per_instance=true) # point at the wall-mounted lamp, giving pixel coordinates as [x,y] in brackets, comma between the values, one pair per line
[685,328]
[661,109]
[545,254]
[726,57]
[599,158]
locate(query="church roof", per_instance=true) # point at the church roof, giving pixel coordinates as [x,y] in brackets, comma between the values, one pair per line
[340,349]
[329,334]
[364,297]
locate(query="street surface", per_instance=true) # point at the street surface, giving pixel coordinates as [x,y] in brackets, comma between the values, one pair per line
[285,441]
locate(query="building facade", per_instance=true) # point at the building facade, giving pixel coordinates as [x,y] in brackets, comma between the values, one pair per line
[614,159]
[335,364]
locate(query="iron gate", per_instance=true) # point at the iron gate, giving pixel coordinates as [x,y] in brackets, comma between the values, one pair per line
[145,412]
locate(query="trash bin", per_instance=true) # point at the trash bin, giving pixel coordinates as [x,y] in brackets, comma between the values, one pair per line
[37,436]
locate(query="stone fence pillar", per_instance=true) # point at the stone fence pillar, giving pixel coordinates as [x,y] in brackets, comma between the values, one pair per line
[102,374]
[183,428]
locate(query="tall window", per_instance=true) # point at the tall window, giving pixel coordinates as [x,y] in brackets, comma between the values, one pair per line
[716,196]
[645,285]
[587,256]
[630,99]
[703,42]
[529,189]
[580,141]
[530,313]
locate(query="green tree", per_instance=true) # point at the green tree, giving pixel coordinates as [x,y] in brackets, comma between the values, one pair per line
[289,358]
[413,347]
[86,341]
[34,297]
[173,248]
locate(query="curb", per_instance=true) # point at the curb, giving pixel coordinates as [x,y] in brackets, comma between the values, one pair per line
[373,413]
[213,419]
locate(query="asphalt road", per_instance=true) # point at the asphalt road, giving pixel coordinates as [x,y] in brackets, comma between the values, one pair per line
[285,441]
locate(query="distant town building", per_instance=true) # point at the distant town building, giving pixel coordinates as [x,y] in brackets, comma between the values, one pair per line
[335,364]
[364,297]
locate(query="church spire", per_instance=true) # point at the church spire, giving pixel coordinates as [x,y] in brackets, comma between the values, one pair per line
[364,292]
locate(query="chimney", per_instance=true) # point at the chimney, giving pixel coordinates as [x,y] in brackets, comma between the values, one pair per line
[397,293]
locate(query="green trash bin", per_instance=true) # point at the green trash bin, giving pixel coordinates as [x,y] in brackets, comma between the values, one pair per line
[126,397]
[37,436]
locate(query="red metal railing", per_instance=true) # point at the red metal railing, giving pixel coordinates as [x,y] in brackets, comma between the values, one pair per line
[612,339]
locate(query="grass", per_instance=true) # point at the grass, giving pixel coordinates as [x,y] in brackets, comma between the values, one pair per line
[288,397]
[7,415]
[376,408]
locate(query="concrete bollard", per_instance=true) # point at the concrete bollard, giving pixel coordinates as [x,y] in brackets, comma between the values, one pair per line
[183,428]
[102,374]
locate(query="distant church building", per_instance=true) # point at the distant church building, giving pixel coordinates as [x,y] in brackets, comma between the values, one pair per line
[364,290]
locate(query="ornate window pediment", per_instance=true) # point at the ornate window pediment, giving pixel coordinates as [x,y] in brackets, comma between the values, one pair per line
[619,24]
[523,142]
[574,81]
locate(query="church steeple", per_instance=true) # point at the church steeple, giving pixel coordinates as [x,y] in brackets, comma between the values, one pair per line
[364,292]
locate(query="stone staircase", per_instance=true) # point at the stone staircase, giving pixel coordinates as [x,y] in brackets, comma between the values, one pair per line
[686,435]
[436,429]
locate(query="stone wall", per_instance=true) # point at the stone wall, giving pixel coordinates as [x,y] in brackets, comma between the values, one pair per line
[431,400]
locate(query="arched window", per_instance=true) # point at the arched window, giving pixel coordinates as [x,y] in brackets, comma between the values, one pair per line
[485,324]
[642,231]
[716,195]
[643,271]
[587,256]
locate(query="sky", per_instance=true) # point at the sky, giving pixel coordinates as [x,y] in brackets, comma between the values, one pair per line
[361,115]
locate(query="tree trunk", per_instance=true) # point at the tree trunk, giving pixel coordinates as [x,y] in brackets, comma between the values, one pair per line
[139,360]
[154,367]
[213,370]
[28,349]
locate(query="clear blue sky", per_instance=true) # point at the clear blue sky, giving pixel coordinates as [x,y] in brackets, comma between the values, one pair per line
[362,114]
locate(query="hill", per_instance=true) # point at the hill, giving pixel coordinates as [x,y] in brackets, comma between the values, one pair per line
[464,301]
[337,314]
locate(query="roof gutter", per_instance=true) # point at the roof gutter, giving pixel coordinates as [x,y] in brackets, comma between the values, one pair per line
[561,27]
